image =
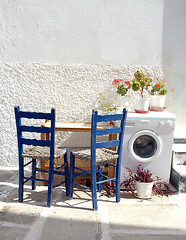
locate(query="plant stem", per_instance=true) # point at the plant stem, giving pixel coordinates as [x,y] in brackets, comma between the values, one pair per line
[142,92]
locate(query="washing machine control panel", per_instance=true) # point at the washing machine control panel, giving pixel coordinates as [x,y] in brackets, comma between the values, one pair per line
[167,124]
[150,124]
[151,121]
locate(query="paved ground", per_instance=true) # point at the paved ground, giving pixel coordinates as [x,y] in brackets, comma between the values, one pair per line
[162,218]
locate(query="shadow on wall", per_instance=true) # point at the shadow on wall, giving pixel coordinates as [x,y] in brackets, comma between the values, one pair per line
[173,59]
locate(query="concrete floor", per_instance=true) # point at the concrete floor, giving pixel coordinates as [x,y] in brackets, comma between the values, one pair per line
[162,218]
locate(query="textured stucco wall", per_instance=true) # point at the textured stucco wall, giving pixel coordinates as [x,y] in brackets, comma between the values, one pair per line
[72,90]
[50,51]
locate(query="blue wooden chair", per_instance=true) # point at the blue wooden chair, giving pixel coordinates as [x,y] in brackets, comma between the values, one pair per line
[99,155]
[39,150]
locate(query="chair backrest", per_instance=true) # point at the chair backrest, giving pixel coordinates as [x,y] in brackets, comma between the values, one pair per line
[37,129]
[119,130]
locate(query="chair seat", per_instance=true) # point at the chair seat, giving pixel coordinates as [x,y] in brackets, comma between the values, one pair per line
[42,153]
[103,155]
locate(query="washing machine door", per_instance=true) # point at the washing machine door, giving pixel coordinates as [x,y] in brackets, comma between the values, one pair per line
[144,146]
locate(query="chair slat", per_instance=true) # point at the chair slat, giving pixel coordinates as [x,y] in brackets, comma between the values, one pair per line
[107,144]
[35,129]
[106,131]
[35,115]
[111,117]
[35,142]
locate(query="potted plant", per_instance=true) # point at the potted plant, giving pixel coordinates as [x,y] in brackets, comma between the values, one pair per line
[122,89]
[105,104]
[141,177]
[158,95]
[143,182]
[141,83]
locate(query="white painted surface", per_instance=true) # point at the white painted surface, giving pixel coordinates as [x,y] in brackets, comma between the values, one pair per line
[43,41]
[174,60]
[81,31]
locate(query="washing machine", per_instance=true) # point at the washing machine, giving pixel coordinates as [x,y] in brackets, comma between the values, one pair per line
[148,141]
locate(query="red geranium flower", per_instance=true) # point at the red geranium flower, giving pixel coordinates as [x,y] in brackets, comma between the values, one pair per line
[116,81]
[127,82]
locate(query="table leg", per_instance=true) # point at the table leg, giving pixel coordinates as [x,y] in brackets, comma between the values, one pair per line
[44,164]
[112,169]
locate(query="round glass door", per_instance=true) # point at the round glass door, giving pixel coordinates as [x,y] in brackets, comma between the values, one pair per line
[144,146]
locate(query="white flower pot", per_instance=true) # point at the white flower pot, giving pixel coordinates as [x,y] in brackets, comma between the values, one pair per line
[142,104]
[157,101]
[123,101]
[144,190]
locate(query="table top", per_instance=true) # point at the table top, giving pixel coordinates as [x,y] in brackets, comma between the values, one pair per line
[75,126]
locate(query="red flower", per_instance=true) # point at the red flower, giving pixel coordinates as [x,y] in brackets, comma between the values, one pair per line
[116,81]
[127,82]
[134,74]
[157,85]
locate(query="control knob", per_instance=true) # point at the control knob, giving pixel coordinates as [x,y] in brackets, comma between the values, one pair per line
[161,123]
[169,124]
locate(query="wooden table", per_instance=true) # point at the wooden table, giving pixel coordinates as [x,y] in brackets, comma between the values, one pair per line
[75,127]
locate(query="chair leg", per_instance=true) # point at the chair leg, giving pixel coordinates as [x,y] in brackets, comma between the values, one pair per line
[34,174]
[93,187]
[66,174]
[118,180]
[100,171]
[50,183]
[21,179]
[71,179]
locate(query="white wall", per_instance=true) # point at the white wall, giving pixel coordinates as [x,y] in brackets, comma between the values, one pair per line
[174,60]
[81,31]
[63,53]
